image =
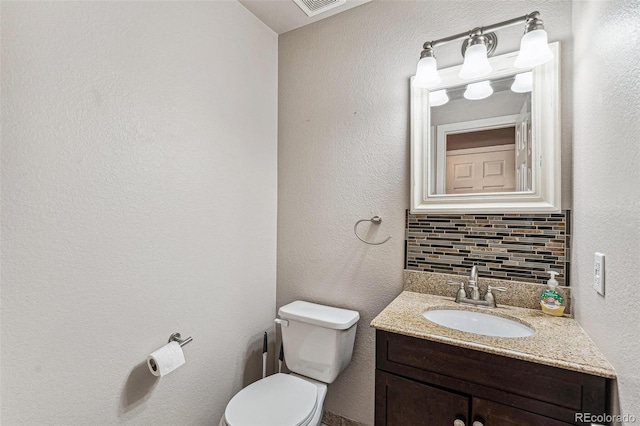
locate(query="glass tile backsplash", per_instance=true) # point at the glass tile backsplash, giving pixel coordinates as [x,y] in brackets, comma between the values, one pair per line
[513,246]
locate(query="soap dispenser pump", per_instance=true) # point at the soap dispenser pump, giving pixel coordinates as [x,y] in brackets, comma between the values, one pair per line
[551,301]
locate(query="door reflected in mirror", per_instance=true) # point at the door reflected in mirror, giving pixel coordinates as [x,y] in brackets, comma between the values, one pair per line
[483,145]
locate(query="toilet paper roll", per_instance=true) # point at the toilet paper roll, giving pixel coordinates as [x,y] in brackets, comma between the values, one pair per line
[166,359]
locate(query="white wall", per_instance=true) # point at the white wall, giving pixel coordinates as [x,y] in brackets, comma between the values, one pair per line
[606,193]
[343,154]
[138,199]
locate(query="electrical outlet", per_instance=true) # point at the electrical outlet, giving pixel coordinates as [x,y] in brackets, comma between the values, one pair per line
[598,274]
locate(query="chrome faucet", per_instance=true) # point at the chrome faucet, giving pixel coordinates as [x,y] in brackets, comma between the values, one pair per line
[461,295]
[473,283]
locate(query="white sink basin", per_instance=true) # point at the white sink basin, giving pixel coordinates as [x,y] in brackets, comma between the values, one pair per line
[478,323]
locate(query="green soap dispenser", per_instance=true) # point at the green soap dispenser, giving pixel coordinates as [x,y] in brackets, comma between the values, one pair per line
[551,301]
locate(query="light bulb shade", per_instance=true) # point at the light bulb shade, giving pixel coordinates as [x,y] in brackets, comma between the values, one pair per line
[523,82]
[437,98]
[476,63]
[427,73]
[480,90]
[534,49]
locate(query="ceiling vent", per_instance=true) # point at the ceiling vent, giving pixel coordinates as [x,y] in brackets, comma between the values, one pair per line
[314,7]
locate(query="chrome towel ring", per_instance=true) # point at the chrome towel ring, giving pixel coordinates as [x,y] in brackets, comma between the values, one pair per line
[376,220]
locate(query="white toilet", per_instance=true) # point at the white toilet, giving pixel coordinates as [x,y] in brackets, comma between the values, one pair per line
[318,344]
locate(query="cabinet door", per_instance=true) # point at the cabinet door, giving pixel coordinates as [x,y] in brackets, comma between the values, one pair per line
[403,402]
[493,414]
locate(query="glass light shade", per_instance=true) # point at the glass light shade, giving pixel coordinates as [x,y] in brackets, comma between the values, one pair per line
[427,73]
[534,49]
[523,82]
[476,64]
[437,98]
[480,90]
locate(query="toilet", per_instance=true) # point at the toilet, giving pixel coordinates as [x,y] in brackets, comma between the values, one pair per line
[318,344]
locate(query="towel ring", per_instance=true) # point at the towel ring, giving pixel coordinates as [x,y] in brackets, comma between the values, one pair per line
[377,220]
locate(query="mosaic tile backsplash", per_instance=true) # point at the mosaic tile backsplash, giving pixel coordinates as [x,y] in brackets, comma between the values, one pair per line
[514,246]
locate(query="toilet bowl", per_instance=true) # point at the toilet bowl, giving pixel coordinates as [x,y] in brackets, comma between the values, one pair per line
[277,400]
[318,345]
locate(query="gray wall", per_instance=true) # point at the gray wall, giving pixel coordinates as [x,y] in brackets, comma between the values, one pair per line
[343,154]
[138,199]
[139,190]
[606,193]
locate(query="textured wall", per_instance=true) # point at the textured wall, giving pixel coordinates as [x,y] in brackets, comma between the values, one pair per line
[138,199]
[343,154]
[607,183]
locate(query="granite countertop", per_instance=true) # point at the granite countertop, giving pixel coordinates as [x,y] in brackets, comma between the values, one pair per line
[558,341]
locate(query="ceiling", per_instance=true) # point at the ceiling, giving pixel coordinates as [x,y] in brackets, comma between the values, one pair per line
[284,15]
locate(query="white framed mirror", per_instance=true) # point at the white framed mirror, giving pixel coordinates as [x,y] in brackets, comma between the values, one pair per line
[488,145]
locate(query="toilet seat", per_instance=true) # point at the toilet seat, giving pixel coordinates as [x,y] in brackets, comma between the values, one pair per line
[277,400]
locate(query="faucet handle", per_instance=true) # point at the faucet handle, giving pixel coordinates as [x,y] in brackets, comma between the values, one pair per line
[489,296]
[461,294]
[458,283]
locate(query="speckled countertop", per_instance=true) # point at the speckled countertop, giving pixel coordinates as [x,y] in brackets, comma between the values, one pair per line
[558,341]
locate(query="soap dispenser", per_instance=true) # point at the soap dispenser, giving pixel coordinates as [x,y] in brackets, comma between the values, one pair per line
[551,301]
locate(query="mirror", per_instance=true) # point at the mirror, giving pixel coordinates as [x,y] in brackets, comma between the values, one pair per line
[476,149]
[488,145]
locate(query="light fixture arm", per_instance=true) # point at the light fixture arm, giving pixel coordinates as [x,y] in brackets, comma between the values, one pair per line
[427,51]
[532,20]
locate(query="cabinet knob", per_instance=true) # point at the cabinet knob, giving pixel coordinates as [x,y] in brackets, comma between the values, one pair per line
[458,422]
[477,424]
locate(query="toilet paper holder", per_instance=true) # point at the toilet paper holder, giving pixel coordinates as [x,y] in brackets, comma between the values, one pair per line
[175,337]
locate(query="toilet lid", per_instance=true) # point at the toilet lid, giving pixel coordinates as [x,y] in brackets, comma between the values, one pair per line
[277,400]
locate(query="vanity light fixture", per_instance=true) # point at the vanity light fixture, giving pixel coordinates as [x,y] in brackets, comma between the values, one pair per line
[480,43]
[476,59]
[427,72]
[534,46]
[479,90]
[438,98]
[523,82]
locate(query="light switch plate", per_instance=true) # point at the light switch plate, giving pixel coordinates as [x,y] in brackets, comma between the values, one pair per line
[598,273]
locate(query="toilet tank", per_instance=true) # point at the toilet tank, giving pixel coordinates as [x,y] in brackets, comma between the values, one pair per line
[317,339]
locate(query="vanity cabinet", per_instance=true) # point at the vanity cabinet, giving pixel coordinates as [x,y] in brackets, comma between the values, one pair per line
[408,402]
[421,382]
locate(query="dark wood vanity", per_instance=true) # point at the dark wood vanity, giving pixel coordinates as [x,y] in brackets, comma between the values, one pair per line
[422,382]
